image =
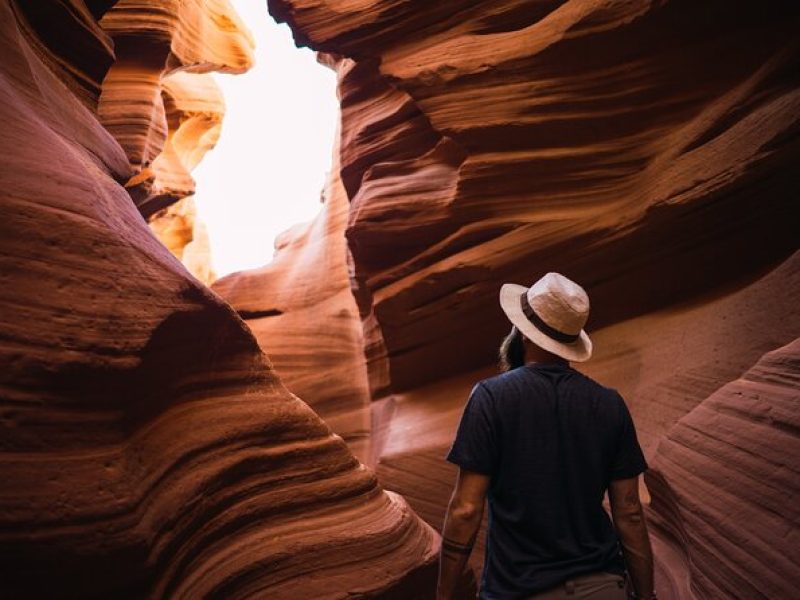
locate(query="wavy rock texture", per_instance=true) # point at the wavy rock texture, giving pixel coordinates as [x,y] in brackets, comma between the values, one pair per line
[194,109]
[52,25]
[182,232]
[162,114]
[638,147]
[728,472]
[301,309]
[665,364]
[147,448]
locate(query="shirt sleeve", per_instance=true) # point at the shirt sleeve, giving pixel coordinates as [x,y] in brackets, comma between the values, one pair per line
[628,460]
[475,447]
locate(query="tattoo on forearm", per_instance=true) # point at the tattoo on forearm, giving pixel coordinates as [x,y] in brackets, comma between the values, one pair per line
[451,546]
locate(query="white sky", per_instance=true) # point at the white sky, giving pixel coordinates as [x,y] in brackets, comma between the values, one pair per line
[269,166]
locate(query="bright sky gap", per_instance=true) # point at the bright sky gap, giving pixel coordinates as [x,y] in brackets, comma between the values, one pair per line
[270,164]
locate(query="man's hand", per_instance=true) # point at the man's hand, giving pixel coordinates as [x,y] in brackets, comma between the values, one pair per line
[460,529]
[628,515]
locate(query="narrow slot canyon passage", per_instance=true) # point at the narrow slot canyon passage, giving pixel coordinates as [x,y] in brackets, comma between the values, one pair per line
[255,263]
[269,168]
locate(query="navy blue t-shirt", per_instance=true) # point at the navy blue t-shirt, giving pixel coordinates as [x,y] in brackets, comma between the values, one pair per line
[551,439]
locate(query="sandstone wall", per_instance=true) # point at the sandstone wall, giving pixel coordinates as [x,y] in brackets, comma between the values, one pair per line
[302,311]
[642,148]
[639,147]
[184,234]
[166,111]
[151,101]
[147,448]
[728,472]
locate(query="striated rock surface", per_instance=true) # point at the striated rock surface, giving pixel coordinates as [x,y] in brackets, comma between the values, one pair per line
[639,147]
[665,364]
[52,25]
[302,312]
[147,448]
[184,234]
[728,472]
[163,114]
[194,109]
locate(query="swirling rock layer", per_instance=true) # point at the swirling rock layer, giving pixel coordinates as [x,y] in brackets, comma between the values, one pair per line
[301,309]
[163,115]
[665,364]
[193,109]
[147,448]
[638,147]
[728,472]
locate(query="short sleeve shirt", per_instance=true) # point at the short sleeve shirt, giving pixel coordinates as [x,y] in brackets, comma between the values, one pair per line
[551,439]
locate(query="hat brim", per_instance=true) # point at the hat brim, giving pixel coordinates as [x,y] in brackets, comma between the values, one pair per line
[578,351]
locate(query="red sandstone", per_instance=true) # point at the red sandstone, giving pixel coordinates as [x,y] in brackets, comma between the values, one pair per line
[648,150]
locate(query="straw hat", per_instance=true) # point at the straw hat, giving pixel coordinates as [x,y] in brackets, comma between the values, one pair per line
[551,314]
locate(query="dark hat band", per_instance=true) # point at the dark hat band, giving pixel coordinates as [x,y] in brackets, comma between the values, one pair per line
[536,321]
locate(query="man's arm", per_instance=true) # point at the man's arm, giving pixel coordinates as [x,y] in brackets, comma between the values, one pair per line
[628,515]
[460,529]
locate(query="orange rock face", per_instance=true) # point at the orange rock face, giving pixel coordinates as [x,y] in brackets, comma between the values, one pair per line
[184,234]
[163,114]
[147,448]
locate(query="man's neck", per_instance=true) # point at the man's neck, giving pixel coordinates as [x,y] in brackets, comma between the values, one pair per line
[534,354]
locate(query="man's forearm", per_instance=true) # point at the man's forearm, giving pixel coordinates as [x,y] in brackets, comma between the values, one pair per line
[458,537]
[452,560]
[638,555]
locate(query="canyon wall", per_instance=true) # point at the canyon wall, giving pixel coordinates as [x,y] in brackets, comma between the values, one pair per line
[641,148]
[184,234]
[728,472]
[648,150]
[193,109]
[147,447]
[302,311]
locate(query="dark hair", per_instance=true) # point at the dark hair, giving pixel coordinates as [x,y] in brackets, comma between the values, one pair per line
[512,350]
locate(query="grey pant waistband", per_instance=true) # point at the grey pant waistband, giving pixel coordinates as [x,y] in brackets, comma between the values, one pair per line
[594,586]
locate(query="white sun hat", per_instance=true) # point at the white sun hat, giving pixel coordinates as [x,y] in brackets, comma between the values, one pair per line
[552,314]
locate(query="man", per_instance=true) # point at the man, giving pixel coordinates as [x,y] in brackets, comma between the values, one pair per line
[545,443]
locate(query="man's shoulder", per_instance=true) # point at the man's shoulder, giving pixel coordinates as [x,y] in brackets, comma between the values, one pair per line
[497,383]
[598,387]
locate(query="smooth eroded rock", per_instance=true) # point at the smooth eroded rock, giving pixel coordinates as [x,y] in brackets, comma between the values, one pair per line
[147,448]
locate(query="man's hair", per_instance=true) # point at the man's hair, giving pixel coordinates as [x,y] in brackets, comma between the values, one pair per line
[512,350]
